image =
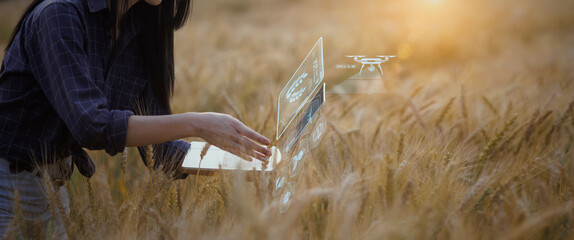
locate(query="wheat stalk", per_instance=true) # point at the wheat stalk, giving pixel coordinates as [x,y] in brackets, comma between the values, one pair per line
[400,146]
[124,161]
[531,125]
[389,186]
[565,115]
[489,105]
[443,113]
[416,91]
[463,101]
[377,130]
[427,105]
[489,149]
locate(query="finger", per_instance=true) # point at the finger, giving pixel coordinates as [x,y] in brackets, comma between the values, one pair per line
[257,155]
[252,146]
[260,157]
[246,157]
[248,153]
[245,131]
[232,147]
[241,152]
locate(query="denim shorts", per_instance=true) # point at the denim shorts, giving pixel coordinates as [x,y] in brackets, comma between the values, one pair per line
[32,214]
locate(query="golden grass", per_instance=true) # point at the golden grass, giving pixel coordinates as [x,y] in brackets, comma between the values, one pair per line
[474,142]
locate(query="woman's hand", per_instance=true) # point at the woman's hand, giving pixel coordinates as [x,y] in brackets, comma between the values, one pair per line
[220,130]
[231,135]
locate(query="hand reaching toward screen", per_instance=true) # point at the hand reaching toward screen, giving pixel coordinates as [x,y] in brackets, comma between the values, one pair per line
[217,129]
[231,135]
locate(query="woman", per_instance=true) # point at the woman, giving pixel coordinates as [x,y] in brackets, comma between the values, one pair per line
[97,75]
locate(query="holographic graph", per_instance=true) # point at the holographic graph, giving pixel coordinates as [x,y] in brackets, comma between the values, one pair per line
[300,88]
[300,127]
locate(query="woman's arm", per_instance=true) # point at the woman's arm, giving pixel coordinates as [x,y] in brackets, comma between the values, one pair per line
[217,129]
[61,66]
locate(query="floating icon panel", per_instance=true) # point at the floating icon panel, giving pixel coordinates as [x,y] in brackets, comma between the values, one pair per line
[300,87]
[305,118]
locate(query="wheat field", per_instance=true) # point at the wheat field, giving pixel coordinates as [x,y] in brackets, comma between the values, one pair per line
[473,140]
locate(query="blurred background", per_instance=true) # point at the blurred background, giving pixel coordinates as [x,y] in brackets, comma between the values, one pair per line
[406,159]
[239,42]
[441,45]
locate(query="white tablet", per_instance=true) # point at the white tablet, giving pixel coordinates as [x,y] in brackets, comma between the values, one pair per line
[218,159]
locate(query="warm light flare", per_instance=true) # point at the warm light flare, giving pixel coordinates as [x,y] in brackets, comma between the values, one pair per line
[405,51]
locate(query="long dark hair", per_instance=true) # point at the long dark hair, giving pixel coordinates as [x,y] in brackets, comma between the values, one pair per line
[156,38]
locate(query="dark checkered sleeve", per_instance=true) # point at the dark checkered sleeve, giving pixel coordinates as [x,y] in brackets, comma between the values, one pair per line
[60,64]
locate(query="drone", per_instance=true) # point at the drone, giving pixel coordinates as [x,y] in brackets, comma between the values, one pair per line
[371,61]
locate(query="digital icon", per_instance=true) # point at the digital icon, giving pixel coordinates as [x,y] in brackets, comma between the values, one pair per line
[369,78]
[293,94]
[318,131]
[287,197]
[279,184]
[280,181]
[371,62]
[296,163]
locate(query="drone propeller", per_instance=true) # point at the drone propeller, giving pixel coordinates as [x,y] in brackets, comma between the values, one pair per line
[356,57]
[386,56]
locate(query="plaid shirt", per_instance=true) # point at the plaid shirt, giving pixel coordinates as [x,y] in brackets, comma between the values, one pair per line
[63,87]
